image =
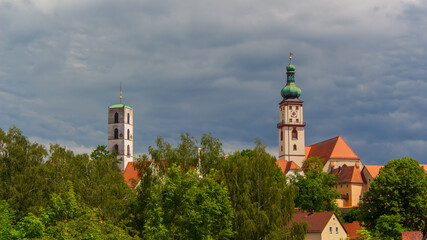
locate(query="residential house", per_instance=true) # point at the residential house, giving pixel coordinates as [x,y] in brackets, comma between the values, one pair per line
[322,225]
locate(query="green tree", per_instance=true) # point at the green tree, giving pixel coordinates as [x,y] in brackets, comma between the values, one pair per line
[262,201]
[315,191]
[185,206]
[22,180]
[6,221]
[396,199]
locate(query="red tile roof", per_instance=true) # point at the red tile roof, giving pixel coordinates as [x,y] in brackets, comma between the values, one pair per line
[131,173]
[317,221]
[334,148]
[351,229]
[348,174]
[413,235]
[373,170]
[286,166]
[425,167]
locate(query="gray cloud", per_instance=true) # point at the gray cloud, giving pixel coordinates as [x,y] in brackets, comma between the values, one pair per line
[199,67]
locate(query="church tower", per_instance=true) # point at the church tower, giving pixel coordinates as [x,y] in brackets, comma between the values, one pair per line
[120,132]
[291,126]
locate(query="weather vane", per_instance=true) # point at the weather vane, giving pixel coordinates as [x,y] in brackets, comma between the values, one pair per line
[290,57]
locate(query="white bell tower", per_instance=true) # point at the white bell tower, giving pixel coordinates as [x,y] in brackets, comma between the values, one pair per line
[120,132]
[291,126]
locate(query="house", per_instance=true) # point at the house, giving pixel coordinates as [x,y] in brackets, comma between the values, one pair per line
[352,229]
[350,185]
[289,168]
[369,172]
[322,225]
[334,152]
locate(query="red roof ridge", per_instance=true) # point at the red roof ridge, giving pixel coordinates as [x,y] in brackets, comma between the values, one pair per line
[316,221]
[286,166]
[333,148]
[352,228]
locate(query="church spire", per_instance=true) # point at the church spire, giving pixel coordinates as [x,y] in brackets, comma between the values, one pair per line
[290,90]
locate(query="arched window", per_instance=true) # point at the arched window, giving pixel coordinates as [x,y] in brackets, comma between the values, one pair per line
[128,150]
[116,133]
[128,118]
[128,134]
[294,134]
[116,149]
[295,147]
[116,117]
[281,135]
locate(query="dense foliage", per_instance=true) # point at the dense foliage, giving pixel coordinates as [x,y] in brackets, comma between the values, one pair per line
[315,188]
[262,201]
[396,200]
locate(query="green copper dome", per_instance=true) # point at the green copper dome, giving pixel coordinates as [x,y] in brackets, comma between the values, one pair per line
[290,90]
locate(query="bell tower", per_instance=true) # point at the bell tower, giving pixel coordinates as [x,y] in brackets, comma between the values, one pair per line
[120,132]
[291,126]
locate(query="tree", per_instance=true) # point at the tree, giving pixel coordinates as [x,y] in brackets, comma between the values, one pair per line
[262,201]
[185,206]
[22,183]
[396,199]
[315,191]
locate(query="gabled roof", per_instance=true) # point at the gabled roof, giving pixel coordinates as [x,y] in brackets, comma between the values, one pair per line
[334,148]
[131,173]
[348,174]
[373,170]
[351,229]
[286,166]
[317,221]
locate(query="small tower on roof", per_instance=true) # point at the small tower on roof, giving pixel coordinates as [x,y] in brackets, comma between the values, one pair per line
[291,126]
[120,132]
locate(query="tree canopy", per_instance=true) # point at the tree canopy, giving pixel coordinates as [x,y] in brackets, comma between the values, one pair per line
[396,200]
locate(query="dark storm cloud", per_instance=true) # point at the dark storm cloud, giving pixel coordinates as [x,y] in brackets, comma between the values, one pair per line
[217,66]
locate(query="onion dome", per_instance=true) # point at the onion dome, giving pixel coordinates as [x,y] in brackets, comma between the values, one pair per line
[290,91]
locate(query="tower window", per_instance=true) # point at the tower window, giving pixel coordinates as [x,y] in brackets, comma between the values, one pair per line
[116,118]
[296,107]
[297,120]
[128,134]
[116,133]
[116,149]
[128,118]
[294,134]
[281,135]
[281,148]
[290,107]
[128,150]
[295,147]
[290,119]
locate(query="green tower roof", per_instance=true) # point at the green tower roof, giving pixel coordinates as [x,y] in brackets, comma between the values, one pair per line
[291,90]
[119,106]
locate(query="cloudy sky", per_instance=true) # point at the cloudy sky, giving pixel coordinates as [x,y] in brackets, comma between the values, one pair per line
[202,66]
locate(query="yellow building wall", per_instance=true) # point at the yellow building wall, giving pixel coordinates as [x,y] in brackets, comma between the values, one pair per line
[354,190]
[336,235]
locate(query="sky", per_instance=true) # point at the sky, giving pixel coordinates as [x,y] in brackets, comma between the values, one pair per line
[202,66]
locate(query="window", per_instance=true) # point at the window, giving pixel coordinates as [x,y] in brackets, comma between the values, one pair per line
[290,119]
[128,150]
[330,229]
[116,133]
[290,107]
[346,195]
[128,118]
[340,185]
[346,185]
[297,120]
[296,107]
[281,135]
[116,118]
[116,149]
[360,197]
[281,148]
[128,134]
[336,229]
[294,134]
[295,147]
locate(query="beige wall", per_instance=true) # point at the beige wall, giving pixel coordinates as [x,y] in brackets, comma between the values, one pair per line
[354,191]
[334,224]
[286,144]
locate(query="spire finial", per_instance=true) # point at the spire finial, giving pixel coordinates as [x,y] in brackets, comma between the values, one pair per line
[290,57]
[121,92]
